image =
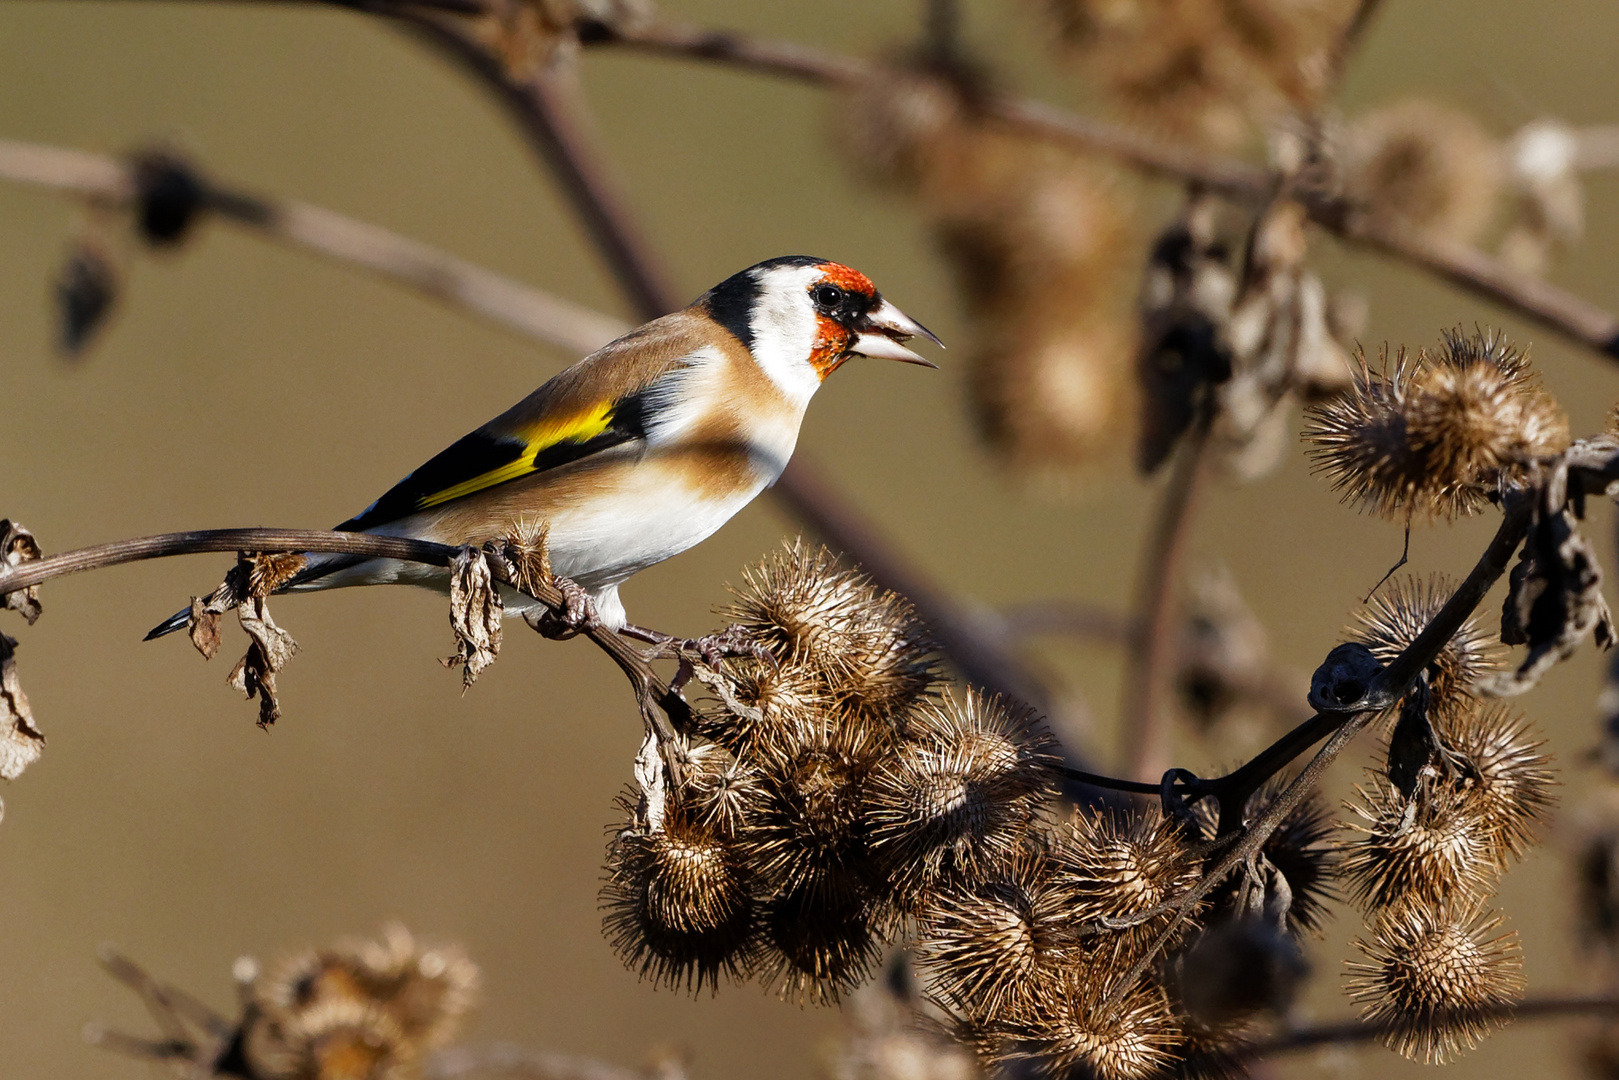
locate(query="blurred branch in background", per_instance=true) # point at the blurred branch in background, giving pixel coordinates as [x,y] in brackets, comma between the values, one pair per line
[1461,265]
[180,191]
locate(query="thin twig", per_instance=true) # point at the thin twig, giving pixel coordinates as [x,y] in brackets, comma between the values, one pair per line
[455,281]
[645,681]
[1347,1032]
[1152,653]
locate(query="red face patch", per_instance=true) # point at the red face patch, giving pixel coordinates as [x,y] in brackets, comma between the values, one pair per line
[845,278]
[832,341]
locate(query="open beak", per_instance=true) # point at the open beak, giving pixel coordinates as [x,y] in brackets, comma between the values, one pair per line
[884,330]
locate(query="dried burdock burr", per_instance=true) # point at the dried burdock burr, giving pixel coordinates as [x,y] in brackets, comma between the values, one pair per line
[984,949]
[1430,436]
[1397,613]
[1205,71]
[809,835]
[358,1010]
[780,697]
[1419,164]
[1434,847]
[1224,652]
[677,899]
[720,791]
[893,662]
[18,546]
[817,947]
[802,606]
[953,800]
[1074,1029]
[1500,763]
[1114,865]
[1438,979]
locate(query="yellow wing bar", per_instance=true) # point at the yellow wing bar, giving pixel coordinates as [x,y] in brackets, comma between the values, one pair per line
[579,428]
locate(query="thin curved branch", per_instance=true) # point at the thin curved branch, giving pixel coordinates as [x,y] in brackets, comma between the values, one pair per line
[1347,1032]
[647,683]
[531,312]
[1147,729]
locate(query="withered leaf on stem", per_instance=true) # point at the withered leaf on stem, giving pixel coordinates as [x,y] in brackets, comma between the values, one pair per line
[17,546]
[203,628]
[475,613]
[1554,597]
[268,653]
[20,741]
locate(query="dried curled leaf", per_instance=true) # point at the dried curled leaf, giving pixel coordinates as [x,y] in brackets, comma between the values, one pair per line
[20,741]
[17,546]
[475,614]
[1555,595]
[269,651]
[203,628]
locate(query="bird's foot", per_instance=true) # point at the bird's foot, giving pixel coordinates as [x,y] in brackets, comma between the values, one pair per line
[578,614]
[711,649]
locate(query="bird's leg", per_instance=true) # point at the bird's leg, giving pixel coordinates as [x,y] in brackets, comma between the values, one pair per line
[712,649]
[578,614]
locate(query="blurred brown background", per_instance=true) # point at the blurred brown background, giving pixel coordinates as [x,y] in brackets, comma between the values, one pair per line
[243,384]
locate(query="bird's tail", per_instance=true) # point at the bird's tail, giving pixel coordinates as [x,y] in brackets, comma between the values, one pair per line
[318,567]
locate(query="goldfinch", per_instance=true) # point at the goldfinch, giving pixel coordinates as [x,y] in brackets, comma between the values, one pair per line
[643,448]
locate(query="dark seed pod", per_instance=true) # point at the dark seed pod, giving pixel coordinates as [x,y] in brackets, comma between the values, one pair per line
[86,289]
[169,196]
[952,802]
[1302,850]
[817,949]
[1237,968]
[1438,981]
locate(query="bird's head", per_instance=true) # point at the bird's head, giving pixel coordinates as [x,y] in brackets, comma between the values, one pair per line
[802,317]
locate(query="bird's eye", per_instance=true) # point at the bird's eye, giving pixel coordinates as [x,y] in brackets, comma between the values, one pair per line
[827,297]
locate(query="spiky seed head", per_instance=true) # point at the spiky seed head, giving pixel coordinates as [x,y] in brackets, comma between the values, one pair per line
[1438,980]
[809,834]
[1430,435]
[335,1039]
[1119,865]
[1507,775]
[424,990]
[790,695]
[1420,164]
[1212,1053]
[1477,407]
[802,605]
[953,800]
[1401,610]
[1434,847]
[896,662]
[677,901]
[1360,438]
[816,948]
[1075,1031]
[983,949]
[1303,849]
[719,791]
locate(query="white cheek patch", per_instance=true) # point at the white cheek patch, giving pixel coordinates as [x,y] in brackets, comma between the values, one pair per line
[784,330]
